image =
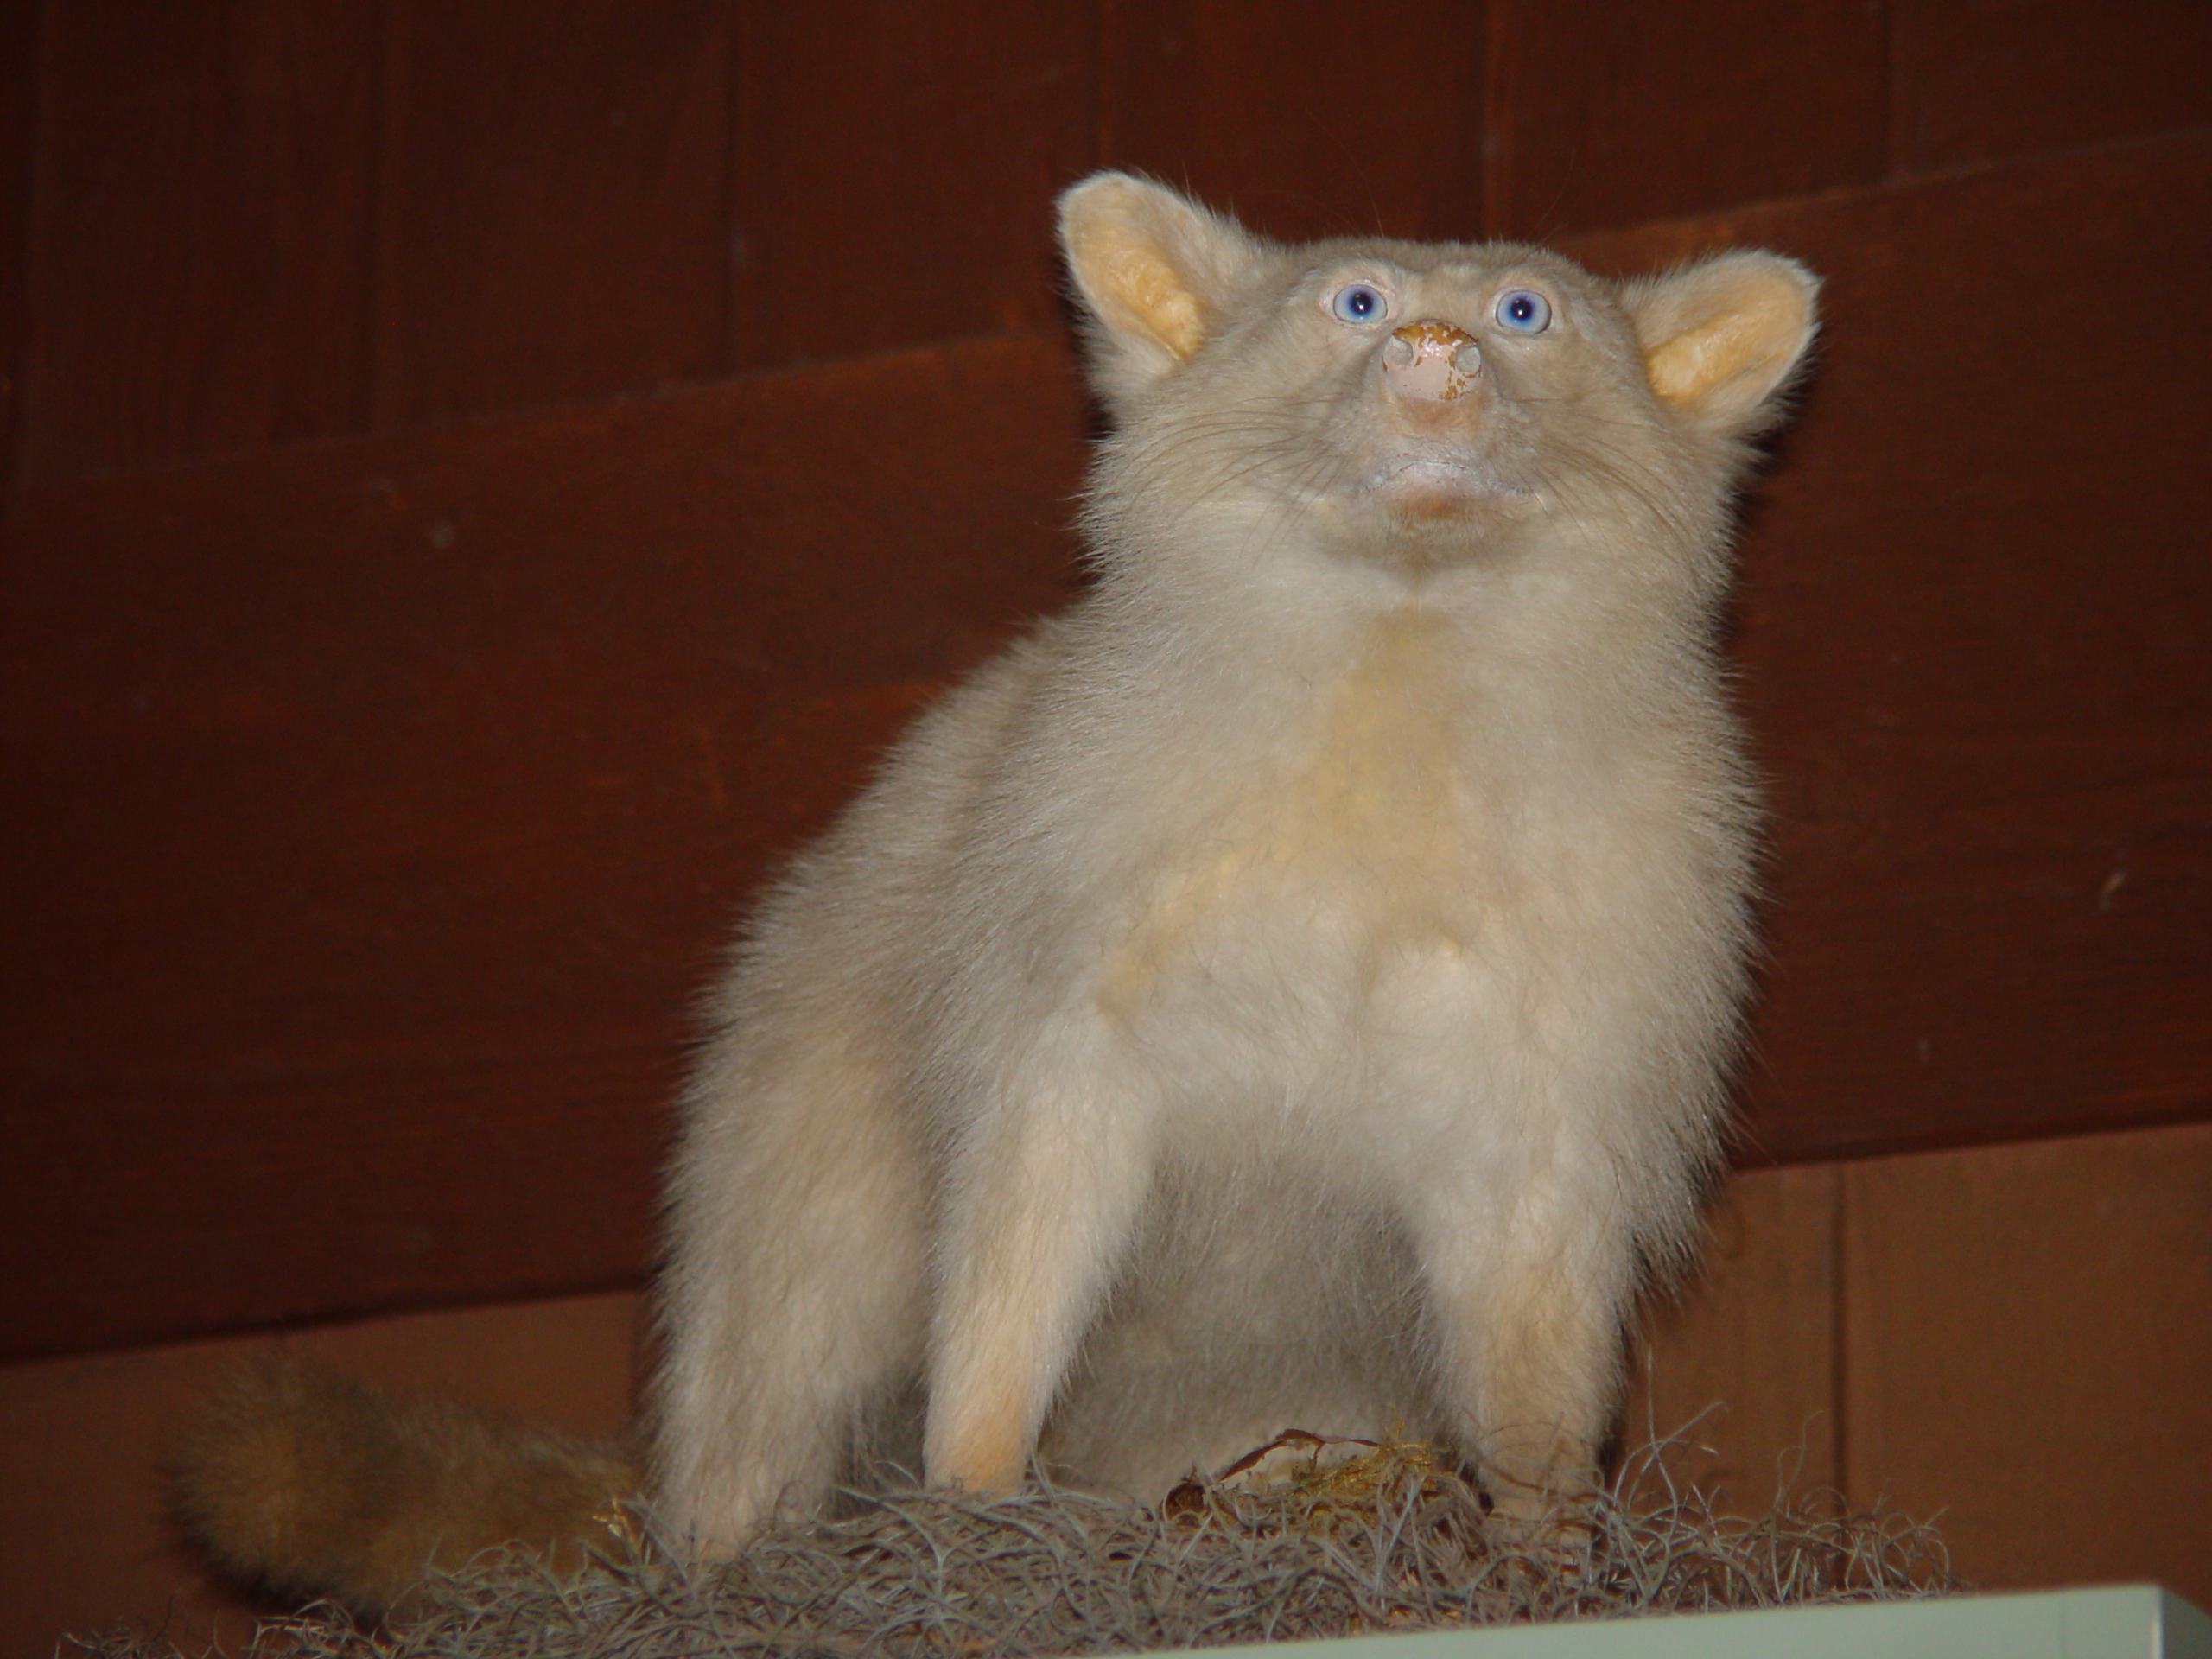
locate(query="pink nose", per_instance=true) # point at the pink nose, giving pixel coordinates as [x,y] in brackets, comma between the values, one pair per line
[1434,361]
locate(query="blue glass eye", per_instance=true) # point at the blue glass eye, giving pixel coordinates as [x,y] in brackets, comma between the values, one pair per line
[1359,303]
[1524,311]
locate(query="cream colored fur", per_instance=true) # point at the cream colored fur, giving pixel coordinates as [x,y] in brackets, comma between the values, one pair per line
[1295,987]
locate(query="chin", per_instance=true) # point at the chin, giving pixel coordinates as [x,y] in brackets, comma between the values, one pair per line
[1431,523]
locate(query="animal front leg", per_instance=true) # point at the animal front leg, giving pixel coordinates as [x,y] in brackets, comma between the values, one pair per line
[1527,1312]
[795,1288]
[1041,1204]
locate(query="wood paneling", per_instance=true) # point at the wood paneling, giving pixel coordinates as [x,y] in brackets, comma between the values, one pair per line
[387,799]
[2009,1340]
[375,214]
[392,800]
[554,217]
[2029,1333]
[1742,1363]
[1973,625]
[1307,118]
[200,257]
[895,167]
[1980,80]
[258,220]
[2013,1343]
[1610,113]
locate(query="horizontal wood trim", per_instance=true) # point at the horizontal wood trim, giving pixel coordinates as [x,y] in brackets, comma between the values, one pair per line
[379,807]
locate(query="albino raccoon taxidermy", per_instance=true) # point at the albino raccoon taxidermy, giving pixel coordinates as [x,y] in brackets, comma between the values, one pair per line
[1293,986]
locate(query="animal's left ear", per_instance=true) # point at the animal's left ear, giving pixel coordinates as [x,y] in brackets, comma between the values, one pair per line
[1722,338]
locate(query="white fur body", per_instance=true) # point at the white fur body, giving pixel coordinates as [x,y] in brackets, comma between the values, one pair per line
[1295,987]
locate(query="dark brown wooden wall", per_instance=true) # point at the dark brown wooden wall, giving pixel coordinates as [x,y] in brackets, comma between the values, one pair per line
[379,782]
[244,222]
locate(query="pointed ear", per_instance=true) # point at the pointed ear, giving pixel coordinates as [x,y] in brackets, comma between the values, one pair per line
[1722,338]
[1154,270]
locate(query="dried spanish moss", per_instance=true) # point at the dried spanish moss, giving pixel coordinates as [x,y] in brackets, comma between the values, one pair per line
[1383,1539]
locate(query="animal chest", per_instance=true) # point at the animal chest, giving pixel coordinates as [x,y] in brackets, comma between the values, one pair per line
[1376,850]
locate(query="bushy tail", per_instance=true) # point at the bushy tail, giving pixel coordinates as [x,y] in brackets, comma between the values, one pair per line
[310,1484]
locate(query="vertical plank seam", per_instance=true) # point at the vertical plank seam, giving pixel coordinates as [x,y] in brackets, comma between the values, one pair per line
[23,347]
[743,347]
[381,305]
[1496,106]
[1842,1189]
[1477,132]
[728,224]
[1892,112]
[1094,72]
[15,366]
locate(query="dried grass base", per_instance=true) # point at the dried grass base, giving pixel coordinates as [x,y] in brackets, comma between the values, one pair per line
[1387,1540]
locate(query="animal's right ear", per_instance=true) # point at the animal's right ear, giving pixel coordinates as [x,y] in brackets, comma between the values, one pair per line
[1154,270]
